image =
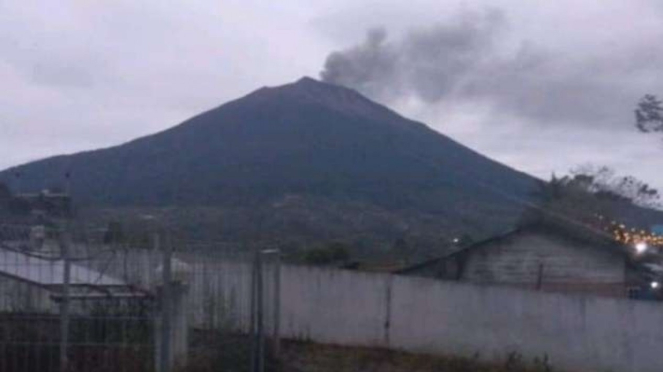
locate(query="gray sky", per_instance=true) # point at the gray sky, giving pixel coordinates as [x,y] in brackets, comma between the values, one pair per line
[540,85]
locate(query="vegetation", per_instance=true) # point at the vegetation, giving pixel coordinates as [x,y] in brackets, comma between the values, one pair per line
[5,199]
[335,253]
[9,205]
[115,234]
[319,358]
[5,193]
[309,357]
[596,196]
[604,184]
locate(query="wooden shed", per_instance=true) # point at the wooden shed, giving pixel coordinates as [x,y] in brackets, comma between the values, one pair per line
[548,255]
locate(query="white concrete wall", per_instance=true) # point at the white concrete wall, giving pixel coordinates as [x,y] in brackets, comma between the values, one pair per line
[576,332]
[426,315]
[423,315]
[334,306]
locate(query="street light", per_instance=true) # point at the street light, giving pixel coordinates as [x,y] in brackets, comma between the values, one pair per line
[640,247]
[655,285]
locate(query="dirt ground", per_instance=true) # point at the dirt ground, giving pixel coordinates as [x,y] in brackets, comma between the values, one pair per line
[306,357]
[233,356]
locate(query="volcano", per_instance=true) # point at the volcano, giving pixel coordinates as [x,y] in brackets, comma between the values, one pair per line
[304,143]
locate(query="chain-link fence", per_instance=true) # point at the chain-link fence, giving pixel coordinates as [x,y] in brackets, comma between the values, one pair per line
[70,300]
[59,313]
[235,303]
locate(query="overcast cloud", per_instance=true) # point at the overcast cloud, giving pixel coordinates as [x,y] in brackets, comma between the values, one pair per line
[541,94]
[472,58]
[542,86]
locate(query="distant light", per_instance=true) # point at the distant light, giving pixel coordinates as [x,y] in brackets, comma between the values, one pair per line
[456,240]
[640,247]
[655,285]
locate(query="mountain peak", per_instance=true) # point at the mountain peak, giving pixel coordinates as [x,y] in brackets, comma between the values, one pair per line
[310,85]
[335,97]
[307,80]
[359,161]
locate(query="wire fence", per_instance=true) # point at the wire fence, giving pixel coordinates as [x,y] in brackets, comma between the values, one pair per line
[57,314]
[71,300]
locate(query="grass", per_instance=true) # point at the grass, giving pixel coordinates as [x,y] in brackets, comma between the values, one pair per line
[306,357]
[232,354]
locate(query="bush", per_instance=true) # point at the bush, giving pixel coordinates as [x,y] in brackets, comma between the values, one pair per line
[332,254]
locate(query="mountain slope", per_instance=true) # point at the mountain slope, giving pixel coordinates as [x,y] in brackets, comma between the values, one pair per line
[306,138]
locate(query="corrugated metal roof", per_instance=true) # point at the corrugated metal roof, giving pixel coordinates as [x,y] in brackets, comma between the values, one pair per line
[50,272]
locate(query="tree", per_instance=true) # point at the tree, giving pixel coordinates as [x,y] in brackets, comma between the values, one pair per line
[463,240]
[339,252]
[588,192]
[400,248]
[605,184]
[335,253]
[5,198]
[649,114]
[564,196]
[5,193]
[114,233]
[19,206]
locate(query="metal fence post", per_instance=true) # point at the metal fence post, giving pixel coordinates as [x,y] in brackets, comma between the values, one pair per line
[257,307]
[252,314]
[64,302]
[165,360]
[276,311]
[260,316]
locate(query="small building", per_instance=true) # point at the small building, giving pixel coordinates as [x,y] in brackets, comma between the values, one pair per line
[45,204]
[34,282]
[103,319]
[549,254]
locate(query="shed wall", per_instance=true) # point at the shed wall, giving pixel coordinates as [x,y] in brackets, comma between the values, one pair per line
[549,262]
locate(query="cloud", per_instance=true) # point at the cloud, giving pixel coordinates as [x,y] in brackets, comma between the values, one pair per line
[475,58]
[534,84]
[541,87]
[429,63]
[79,75]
